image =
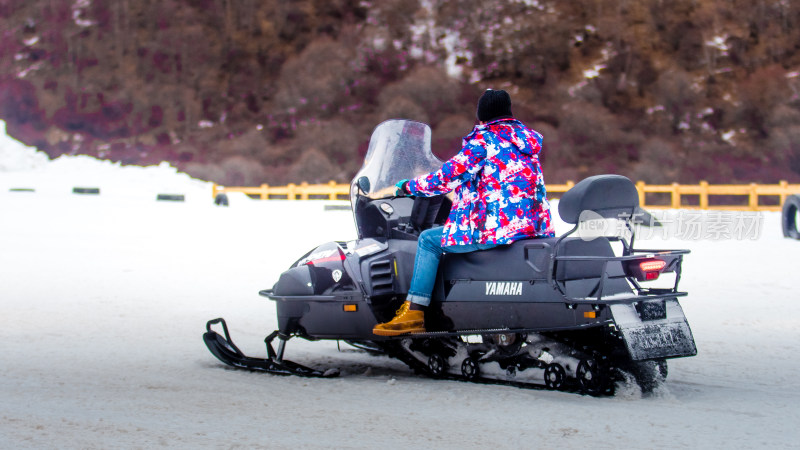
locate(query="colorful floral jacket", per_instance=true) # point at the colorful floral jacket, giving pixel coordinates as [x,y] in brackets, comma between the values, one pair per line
[499,189]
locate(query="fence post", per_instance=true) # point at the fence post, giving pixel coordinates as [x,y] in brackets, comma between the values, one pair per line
[264,192]
[304,191]
[676,196]
[332,191]
[704,194]
[753,196]
[784,187]
[570,184]
[215,191]
[291,187]
[640,190]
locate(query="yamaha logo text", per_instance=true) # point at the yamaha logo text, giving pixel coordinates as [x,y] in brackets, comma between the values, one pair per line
[503,288]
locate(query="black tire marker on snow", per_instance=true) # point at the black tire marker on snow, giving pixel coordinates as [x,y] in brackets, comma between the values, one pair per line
[789,217]
[221,199]
[86,190]
[170,198]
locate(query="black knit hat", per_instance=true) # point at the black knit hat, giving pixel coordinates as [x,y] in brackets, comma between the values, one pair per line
[494,105]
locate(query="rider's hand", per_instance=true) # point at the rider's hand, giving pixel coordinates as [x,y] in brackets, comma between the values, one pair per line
[401,188]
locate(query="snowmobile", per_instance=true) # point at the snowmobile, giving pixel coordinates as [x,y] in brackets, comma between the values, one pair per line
[565,313]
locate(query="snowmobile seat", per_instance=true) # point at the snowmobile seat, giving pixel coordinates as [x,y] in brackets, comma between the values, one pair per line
[610,196]
[529,260]
[526,259]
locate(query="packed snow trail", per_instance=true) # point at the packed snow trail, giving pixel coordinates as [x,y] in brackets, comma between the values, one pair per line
[105,303]
[105,299]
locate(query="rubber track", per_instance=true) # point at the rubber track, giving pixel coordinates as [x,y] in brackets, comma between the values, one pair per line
[395,350]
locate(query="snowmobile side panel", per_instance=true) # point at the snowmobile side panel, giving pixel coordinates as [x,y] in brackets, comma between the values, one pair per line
[531,259]
[499,290]
[477,315]
[345,317]
[388,272]
[665,335]
[289,313]
[342,316]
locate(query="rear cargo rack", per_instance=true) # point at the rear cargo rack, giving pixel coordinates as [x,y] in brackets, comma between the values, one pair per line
[673,259]
[674,265]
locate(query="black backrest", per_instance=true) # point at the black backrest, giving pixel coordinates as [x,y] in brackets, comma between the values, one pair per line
[610,196]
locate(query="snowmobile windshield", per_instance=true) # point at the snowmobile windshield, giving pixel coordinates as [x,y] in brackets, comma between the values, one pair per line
[398,150]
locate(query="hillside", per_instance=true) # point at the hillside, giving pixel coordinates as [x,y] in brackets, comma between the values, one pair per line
[253,92]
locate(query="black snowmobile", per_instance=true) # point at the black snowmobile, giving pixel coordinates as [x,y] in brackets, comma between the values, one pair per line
[565,312]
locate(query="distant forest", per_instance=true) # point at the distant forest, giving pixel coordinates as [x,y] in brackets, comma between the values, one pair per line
[245,92]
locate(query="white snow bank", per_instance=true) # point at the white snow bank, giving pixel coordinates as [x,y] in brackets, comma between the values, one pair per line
[15,155]
[23,167]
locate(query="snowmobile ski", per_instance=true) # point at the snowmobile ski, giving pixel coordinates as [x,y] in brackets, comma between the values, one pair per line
[227,352]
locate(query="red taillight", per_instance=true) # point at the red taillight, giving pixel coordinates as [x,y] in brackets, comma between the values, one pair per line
[652,266]
[651,269]
[645,269]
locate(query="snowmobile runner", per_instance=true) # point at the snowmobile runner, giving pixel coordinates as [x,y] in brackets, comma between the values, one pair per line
[560,313]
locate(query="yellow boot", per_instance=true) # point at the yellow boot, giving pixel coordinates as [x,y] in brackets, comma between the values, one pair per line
[406,321]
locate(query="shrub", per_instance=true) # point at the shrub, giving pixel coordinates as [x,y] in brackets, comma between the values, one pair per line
[314,167]
[447,136]
[430,88]
[337,139]
[674,92]
[760,93]
[242,171]
[656,163]
[590,133]
[784,146]
[315,83]
[401,107]
[207,172]
[252,144]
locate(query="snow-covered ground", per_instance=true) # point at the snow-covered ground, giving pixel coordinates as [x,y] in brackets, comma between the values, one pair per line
[104,299]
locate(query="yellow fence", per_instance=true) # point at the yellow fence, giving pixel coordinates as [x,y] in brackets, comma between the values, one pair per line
[302,191]
[731,197]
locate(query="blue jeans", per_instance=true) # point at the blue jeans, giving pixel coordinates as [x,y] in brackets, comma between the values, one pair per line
[426,263]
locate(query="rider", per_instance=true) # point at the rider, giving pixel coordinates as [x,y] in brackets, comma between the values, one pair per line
[499,198]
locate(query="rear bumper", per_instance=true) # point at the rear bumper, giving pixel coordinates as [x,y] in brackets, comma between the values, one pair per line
[658,338]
